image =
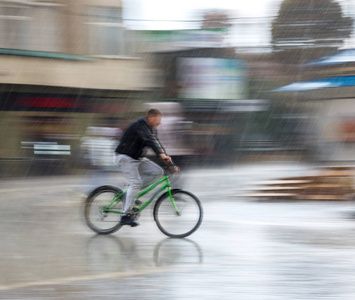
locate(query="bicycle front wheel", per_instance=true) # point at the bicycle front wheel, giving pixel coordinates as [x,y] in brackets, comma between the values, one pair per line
[183,219]
[96,215]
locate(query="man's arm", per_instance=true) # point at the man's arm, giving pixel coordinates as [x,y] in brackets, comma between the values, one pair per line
[154,143]
[151,140]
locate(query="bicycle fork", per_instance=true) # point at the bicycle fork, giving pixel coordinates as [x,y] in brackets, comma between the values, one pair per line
[172,200]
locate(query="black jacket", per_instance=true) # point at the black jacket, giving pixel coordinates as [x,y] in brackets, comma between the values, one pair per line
[137,137]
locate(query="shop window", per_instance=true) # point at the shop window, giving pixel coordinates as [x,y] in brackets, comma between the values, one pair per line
[14,27]
[46,29]
[31,26]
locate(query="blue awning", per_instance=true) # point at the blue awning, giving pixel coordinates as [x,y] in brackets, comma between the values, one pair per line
[331,82]
[341,57]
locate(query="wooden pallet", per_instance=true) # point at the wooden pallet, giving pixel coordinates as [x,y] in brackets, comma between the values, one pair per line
[333,183]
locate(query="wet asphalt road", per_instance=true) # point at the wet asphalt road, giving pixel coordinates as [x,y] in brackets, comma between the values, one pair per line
[243,249]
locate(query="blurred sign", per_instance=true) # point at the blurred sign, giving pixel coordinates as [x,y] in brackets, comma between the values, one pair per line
[170,40]
[203,39]
[247,105]
[47,148]
[204,35]
[211,78]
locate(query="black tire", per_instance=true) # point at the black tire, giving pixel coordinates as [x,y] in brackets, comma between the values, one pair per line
[98,221]
[172,224]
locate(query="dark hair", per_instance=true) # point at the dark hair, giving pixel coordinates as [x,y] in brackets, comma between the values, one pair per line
[153,112]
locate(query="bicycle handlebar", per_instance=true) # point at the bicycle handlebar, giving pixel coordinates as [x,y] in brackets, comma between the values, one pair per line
[170,163]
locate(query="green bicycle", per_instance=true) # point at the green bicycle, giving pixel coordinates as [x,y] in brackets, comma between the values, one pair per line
[177,213]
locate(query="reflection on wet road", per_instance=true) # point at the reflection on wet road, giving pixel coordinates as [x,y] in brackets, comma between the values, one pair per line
[243,250]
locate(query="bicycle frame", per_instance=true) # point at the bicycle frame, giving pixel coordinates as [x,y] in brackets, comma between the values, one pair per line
[166,185]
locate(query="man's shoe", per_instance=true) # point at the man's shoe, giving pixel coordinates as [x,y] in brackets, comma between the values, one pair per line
[128,220]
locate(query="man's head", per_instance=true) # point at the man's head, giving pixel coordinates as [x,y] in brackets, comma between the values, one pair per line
[153,116]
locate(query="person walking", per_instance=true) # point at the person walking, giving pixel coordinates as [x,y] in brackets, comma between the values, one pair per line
[130,158]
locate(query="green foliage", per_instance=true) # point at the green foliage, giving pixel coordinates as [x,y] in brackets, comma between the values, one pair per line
[310,24]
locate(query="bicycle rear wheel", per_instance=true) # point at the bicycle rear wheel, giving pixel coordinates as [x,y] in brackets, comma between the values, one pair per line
[182,222]
[96,217]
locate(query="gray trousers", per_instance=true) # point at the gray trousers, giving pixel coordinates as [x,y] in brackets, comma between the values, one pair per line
[140,173]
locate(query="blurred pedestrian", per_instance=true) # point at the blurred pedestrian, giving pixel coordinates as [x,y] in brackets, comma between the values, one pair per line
[97,147]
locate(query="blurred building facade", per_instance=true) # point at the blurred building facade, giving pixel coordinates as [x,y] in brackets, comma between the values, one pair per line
[70,66]
[326,95]
[65,65]
[209,80]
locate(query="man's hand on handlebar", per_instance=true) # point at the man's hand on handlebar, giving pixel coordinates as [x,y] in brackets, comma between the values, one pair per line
[165,158]
[168,161]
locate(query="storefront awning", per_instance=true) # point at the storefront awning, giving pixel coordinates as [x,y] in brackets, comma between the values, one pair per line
[331,82]
[342,57]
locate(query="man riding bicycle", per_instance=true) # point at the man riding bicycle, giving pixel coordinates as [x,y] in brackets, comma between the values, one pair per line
[130,157]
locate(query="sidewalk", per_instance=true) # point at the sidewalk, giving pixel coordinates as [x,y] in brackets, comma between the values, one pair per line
[205,182]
